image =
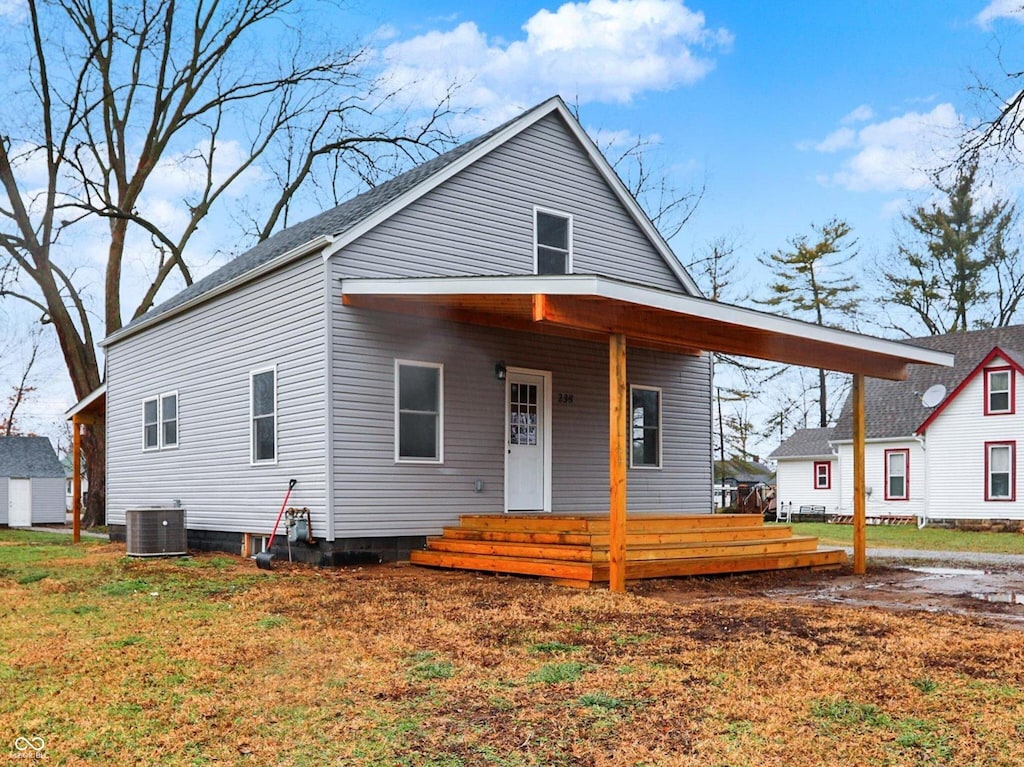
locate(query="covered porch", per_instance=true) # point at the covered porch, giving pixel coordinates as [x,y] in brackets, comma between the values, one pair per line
[624,315]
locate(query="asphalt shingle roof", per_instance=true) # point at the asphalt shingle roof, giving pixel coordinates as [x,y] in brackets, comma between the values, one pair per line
[894,409]
[28,457]
[335,221]
[805,443]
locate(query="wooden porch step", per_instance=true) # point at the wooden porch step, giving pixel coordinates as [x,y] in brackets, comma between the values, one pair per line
[702,535]
[599,523]
[670,568]
[510,549]
[546,568]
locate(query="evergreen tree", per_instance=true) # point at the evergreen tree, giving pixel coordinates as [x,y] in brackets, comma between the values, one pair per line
[809,283]
[955,269]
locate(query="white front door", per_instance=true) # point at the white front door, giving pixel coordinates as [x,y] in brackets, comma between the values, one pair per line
[527,469]
[19,502]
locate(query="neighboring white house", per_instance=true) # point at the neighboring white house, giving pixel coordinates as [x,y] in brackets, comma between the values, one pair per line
[807,471]
[31,482]
[956,461]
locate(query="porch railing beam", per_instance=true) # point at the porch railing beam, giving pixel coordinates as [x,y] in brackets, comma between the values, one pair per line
[617,460]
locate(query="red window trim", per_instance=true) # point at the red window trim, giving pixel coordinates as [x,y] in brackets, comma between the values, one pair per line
[1013,393]
[1012,444]
[906,475]
[828,475]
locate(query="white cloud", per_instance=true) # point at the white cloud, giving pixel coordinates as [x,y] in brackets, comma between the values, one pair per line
[861,114]
[601,50]
[899,154]
[1000,9]
[13,11]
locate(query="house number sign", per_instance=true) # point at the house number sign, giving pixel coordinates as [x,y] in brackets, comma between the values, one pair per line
[566,398]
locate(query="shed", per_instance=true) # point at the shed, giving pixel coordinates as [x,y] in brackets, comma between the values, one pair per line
[31,482]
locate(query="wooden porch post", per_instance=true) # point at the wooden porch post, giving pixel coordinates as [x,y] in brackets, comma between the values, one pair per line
[617,464]
[76,479]
[859,500]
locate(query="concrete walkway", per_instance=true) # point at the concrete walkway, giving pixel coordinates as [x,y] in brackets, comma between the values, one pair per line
[951,558]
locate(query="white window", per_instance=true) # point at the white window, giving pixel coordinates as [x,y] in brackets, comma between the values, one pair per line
[263,415]
[553,235]
[645,427]
[160,422]
[999,392]
[897,475]
[419,416]
[1000,470]
[822,475]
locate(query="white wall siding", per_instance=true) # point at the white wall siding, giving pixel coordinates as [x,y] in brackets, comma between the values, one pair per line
[374,496]
[956,453]
[206,355]
[3,500]
[874,477]
[481,221]
[48,501]
[794,479]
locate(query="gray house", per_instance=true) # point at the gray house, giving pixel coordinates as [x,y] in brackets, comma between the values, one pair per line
[31,482]
[451,342]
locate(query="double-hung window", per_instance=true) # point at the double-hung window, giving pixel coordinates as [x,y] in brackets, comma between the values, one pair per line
[160,422]
[553,235]
[822,475]
[897,475]
[645,427]
[999,391]
[419,412]
[1000,471]
[263,415]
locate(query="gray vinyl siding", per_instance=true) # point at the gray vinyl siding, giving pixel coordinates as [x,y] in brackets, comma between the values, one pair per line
[481,221]
[3,500]
[206,355]
[48,501]
[375,496]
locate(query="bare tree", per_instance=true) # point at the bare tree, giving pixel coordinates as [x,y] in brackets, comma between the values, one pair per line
[117,97]
[20,391]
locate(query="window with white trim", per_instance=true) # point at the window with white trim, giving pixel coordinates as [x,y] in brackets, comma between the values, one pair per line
[160,422]
[822,475]
[645,427]
[263,415]
[553,239]
[897,475]
[419,416]
[999,391]
[1000,471]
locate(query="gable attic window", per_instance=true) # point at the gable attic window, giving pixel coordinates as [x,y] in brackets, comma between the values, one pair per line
[822,475]
[999,394]
[160,422]
[897,475]
[263,415]
[1000,471]
[419,416]
[553,240]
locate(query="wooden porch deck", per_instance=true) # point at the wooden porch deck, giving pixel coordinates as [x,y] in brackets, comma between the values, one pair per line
[573,549]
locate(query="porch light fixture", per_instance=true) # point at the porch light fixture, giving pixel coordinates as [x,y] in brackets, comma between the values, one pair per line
[499,370]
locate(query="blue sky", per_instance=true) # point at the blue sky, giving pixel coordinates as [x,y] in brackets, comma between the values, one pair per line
[791,113]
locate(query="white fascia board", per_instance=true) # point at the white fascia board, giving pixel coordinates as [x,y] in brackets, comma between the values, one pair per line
[603,287]
[83,403]
[435,180]
[317,243]
[877,440]
[820,457]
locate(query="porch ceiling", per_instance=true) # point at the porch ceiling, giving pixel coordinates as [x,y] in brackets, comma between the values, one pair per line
[592,308]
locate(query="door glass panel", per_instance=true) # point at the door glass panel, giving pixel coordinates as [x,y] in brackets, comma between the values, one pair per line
[522,416]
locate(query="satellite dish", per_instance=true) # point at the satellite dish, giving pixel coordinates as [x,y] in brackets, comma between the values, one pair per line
[934,395]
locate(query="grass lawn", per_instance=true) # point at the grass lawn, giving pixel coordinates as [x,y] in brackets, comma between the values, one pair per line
[909,537]
[208,660]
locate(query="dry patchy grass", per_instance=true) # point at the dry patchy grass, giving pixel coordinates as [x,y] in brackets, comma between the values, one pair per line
[204,661]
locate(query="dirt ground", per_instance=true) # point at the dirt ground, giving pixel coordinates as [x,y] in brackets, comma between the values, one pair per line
[994,596]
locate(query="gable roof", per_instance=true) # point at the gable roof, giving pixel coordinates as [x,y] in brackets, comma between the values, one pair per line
[742,471]
[894,409]
[23,457]
[332,229]
[805,443]
[1013,358]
